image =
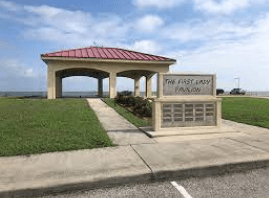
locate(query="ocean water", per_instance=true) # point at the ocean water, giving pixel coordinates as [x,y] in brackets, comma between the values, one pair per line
[94,94]
[44,94]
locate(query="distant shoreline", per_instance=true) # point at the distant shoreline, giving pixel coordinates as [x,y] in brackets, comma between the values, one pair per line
[38,94]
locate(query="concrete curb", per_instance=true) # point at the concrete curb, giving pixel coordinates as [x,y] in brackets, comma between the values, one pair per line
[73,187]
[71,170]
[211,170]
[142,178]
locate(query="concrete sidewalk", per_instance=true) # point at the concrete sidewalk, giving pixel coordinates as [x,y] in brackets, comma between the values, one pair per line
[120,131]
[136,162]
[74,170]
[88,169]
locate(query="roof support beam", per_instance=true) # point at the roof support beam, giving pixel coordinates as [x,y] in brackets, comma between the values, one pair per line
[59,87]
[112,85]
[100,87]
[51,80]
[148,92]
[137,86]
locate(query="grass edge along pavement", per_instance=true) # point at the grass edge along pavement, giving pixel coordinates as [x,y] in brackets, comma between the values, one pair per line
[138,122]
[41,126]
[252,111]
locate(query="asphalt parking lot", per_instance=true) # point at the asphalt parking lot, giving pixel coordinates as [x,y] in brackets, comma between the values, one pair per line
[251,184]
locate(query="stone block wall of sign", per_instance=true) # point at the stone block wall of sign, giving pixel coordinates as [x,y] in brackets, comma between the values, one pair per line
[186,101]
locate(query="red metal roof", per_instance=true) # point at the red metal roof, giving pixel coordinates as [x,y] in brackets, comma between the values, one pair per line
[106,53]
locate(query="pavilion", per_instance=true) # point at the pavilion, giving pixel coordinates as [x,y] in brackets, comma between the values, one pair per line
[100,63]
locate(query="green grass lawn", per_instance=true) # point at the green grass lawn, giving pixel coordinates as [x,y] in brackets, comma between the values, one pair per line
[39,126]
[253,111]
[138,122]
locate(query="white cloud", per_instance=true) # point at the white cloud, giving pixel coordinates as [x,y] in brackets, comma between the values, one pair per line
[110,26]
[68,21]
[11,67]
[149,23]
[243,53]
[71,28]
[251,67]
[29,72]
[221,7]
[246,58]
[44,10]
[161,4]
[147,46]
[10,6]
[208,31]
[205,6]
[225,6]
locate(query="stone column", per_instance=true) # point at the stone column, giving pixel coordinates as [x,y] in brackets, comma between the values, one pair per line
[51,83]
[137,86]
[100,87]
[58,87]
[148,90]
[159,85]
[156,115]
[214,85]
[218,112]
[112,85]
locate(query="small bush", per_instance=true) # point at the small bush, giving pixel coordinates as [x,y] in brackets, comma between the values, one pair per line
[125,93]
[141,107]
[124,98]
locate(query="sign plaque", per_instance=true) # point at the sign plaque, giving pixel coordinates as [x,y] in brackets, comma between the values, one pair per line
[180,84]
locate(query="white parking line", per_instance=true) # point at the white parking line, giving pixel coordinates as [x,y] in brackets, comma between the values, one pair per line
[181,189]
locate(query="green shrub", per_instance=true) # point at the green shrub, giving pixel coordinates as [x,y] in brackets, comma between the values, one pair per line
[123,97]
[141,107]
[125,93]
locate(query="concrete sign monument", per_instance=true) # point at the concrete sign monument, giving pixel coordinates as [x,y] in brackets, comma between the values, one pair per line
[179,84]
[186,100]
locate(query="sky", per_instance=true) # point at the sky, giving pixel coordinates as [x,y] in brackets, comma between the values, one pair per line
[229,38]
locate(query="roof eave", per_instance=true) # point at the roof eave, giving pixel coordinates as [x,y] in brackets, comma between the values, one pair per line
[169,61]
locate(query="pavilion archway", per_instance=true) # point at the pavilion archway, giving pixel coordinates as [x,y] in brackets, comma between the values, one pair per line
[98,74]
[136,75]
